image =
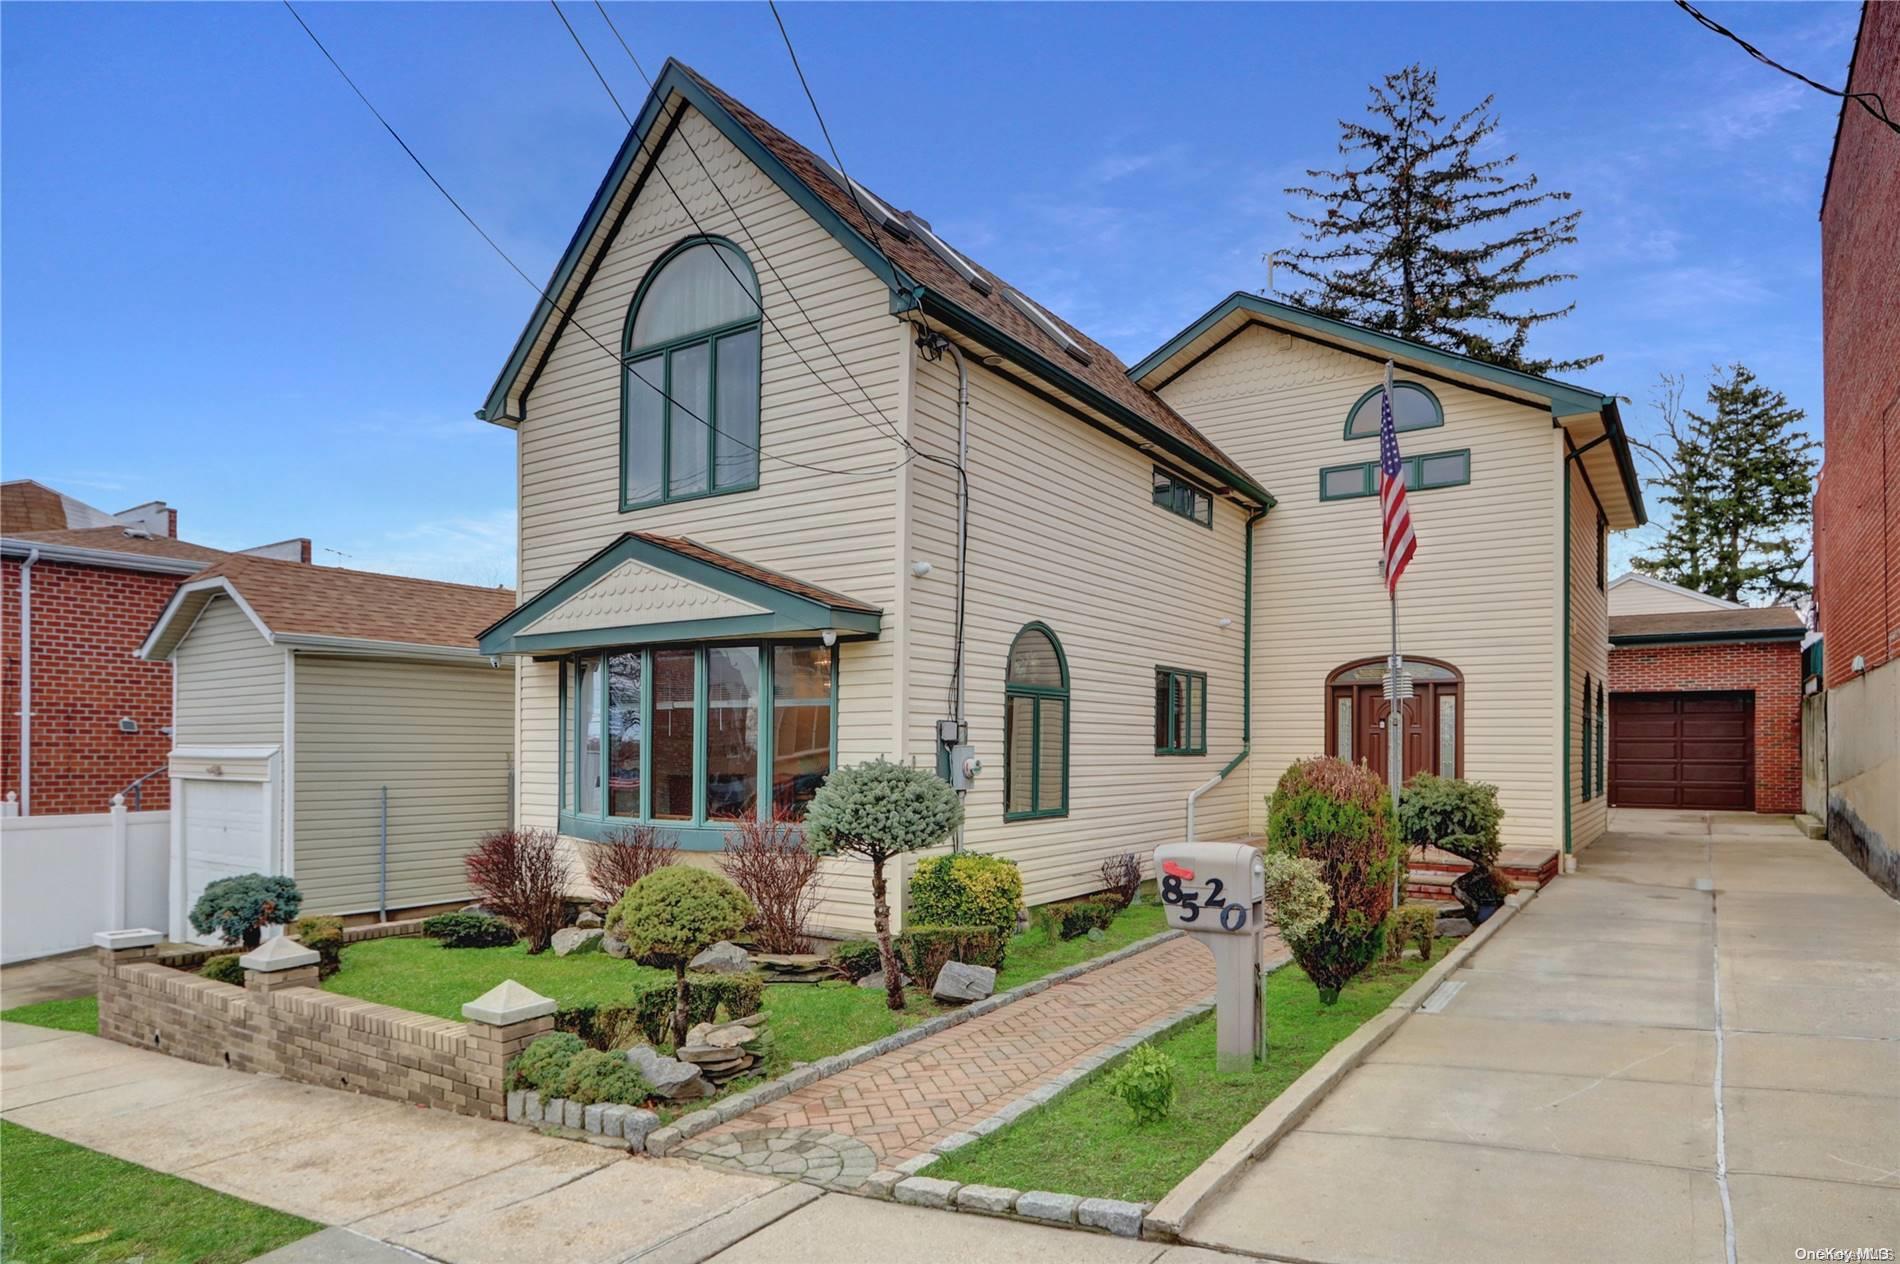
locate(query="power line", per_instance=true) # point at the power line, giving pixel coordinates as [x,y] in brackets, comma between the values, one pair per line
[618,360]
[1868,101]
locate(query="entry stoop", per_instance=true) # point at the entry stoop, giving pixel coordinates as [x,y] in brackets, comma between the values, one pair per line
[1430,872]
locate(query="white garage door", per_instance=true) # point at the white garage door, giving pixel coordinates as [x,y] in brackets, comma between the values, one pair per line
[226,832]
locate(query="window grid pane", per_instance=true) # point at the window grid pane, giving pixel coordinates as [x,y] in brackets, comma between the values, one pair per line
[624,733]
[1018,770]
[689,378]
[801,725]
[673,739]
[1051,714]
[732,731]
[646,412]
[1448,735]
[587,708]
[737,461]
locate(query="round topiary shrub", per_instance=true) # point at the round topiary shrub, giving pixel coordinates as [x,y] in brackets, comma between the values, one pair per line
[668,917]
[878,810]
[1339,816]
[238,909]
[967,889]
[542,1066]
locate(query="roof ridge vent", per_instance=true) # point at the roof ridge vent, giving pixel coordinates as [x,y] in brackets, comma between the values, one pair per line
[137,533]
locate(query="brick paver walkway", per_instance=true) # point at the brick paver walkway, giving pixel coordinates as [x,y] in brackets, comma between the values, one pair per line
[901,1104]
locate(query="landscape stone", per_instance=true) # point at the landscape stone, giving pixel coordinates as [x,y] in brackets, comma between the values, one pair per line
[990,1198]
[573,1114]
[591,1117]
[958,981]
[879,1184]
[723,957]
[1452,928]
[613,1120]
[668,1077]
[798,967]
[531,1108]
[588,920]
[730,1036]
[572,939]
[515,1101]
[1039,1204]
[1119,1218]
[925,1191]
[637,1125]
[615,947]
[875,980]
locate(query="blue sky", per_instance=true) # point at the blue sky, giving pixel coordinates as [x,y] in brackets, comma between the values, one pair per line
[225,287]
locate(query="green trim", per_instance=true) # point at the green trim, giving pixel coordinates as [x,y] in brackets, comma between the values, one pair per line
[786,614]
[709,338]
[1198,740]
[1438,410]
[1691,638]
[1563,398]
[1035,695]
[1176,486]
[1563,744]
[1603,731]
[1416,483]
[1588,767]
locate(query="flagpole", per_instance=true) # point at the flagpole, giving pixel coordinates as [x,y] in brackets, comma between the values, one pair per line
[1395,717]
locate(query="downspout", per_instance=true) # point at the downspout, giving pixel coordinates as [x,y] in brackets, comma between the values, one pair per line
[1246,683]
[26,682]
[1563,733]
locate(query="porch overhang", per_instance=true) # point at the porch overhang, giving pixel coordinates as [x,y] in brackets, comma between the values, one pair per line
[646,589]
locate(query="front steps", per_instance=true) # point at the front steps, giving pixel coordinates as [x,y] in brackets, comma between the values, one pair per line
[1429,872]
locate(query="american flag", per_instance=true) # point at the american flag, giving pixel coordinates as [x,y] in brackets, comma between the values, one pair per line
[1400,544]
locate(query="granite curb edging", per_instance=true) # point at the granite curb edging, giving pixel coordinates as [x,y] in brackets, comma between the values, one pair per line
[1168,1219]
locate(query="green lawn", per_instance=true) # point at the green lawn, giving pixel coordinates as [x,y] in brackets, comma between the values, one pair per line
[1032,954]
[81,1013]
[68,1204]
[1086,1142]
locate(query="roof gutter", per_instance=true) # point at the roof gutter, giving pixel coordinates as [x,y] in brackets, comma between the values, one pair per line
[78,556]
[356,647]
[1727,634]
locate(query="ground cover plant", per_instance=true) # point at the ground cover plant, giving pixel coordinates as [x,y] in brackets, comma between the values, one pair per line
[1088,1141]
[67,1205]
[80,1013]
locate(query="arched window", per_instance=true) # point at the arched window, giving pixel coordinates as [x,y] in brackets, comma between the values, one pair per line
[1413,408]
[689,400]
[1036,727]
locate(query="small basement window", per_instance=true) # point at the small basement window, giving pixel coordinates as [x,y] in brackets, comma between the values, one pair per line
[1176,495]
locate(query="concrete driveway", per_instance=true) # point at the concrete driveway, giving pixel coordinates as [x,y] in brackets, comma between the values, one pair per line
[1563,1104]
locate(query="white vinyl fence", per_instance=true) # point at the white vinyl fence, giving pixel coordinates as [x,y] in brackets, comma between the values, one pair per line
[64,877]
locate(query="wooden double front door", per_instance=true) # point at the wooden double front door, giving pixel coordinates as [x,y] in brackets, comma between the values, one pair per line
[1357,716]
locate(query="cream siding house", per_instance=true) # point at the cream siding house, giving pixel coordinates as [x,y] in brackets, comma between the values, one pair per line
[336,726]
[740,418]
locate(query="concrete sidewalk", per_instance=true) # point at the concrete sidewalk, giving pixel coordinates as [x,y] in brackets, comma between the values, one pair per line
[1563,1103]
[468,1191]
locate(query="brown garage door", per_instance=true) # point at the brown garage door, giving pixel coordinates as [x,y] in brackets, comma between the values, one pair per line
[1683,750]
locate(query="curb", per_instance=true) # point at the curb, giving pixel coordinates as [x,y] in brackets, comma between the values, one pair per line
[1170,1216]
[665,1140]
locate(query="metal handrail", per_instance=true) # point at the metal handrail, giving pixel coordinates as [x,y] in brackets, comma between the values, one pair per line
[137,788]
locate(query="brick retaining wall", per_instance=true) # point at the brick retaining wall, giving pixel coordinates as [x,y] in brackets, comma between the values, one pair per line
[280,1023]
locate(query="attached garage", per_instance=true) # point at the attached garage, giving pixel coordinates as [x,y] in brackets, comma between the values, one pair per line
[1683,750]
[337,726]
[1705,709]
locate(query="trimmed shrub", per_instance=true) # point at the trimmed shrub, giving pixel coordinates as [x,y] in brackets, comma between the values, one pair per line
[1461,817]
[323,936]
[1339,816]
[1121,877]
[1145,1081]
[597,1076]
[878,810]
[769,861]
[855,958]
[469,930]
[600,1026]
[967,889]
[238,909]
[655,1005]
[543,1064]
[925,949]
[670,916]
[1411,924]
[224,968]
[627,855]
[522,875]
[1072,919]
[1297,899]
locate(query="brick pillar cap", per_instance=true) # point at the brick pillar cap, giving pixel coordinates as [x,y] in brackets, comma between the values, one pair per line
[505,1003]
[116,939]
[281,953]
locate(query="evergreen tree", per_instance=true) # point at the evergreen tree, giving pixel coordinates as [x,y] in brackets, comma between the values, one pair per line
[1740,485]
[1411,240]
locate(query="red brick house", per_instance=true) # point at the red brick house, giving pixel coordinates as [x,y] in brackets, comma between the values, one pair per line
[1857,506]
[79,589]
[1704,706]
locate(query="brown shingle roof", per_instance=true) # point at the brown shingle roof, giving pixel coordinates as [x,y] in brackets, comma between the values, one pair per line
[739,566]
[117,540]
[1105,371]
[295,598]
[1769,622]
[29,506]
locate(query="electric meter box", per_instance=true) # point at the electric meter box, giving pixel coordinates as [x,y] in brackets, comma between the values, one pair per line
[1211,888]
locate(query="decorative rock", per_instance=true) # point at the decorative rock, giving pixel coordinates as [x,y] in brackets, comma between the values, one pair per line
[723,957]
[1041,1205]
[588,920]
[991,1198]
[960,982]
[1095,935]
[875,980]
[615,947]
[1119,1218]
[925,1191]
[613,1120]
[572,939]
[637,1126]
[730,1036]
[668,1077]
[801,967]
[1452,928]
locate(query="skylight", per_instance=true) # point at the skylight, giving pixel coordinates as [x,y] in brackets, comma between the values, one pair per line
[1045,322]
[946,252]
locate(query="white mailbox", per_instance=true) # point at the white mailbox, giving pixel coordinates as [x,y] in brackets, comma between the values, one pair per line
[1217,892]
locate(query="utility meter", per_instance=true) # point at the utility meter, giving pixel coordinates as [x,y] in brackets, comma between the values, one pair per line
[964,766]
[1217,892]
